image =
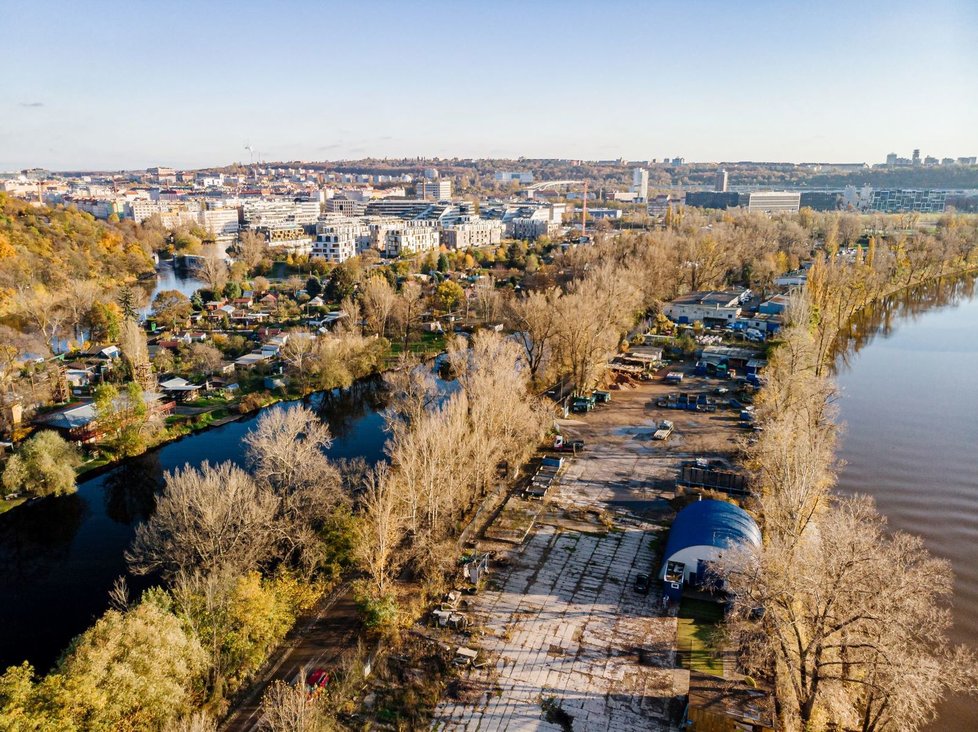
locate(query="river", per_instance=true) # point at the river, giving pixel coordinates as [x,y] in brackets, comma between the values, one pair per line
[909,401]
[60,556]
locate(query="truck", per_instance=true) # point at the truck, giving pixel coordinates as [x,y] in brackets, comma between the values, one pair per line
[674,377]
[572,446]
[663,431]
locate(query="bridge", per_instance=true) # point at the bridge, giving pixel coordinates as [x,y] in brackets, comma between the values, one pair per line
[545,184]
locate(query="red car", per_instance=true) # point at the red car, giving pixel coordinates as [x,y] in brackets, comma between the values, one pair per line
[316,681]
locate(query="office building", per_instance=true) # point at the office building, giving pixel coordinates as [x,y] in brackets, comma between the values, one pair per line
[713,199]
[915,160]
[640,185]
[270,212]
[891,160]
[721,182]
[439,189]
[774,202]
[902,201]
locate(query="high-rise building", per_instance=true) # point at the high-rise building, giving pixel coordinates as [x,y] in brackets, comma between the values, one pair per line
[640,185]
[891,160]
[440,189]
[915,160]
[720,184]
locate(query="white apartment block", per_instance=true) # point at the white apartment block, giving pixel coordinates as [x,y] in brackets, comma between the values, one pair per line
[440,189]
[542,221]
[403,239]
[337,241]
[473,233]
[269,212]
[640,185]
[221,222]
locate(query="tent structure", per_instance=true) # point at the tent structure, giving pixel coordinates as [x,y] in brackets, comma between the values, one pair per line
[700,534]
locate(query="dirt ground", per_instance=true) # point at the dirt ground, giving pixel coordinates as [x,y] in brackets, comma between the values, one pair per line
[566,640]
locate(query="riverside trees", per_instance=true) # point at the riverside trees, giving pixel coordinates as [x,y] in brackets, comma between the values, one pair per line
[848,620]
[445,452]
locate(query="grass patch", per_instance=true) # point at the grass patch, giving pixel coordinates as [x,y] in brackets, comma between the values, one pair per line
[698,623]
[6,505]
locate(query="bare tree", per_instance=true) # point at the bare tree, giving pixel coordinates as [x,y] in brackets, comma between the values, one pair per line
[379,300]
[213,518]
[407,310]
[300,353]
[214,268]
[535,322]
[291,709]
[380,526]
[850,614]
[252,248]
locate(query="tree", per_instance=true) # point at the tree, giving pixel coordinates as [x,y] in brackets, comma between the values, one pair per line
[535,322]
[206,520]
[854,623]
[286,454]
[448,295]
[130,671]
[204,358]
[379,299]
[135,352]
[407,310]
[314,286]
[288,708]
[380,527]
[213,268]
[171,308]
[44,466]
[252,248]
[300,352]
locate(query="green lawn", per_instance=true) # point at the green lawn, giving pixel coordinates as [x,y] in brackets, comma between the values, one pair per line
[697,622]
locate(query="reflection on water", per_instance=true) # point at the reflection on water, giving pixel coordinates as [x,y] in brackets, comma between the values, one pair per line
[168,277]
[909,398]
[60,556]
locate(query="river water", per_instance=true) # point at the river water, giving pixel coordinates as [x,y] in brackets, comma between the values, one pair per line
[60,556]
[909,401]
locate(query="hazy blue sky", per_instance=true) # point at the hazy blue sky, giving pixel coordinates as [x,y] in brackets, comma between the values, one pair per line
[107,85]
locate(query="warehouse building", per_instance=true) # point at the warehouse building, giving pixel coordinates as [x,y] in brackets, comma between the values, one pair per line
[700,534]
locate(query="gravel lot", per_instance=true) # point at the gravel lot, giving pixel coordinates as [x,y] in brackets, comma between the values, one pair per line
[561,626]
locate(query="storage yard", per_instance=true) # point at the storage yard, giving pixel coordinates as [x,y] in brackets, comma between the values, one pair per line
[567,631]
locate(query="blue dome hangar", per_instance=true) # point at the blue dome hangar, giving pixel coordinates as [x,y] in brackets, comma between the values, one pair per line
[700,534]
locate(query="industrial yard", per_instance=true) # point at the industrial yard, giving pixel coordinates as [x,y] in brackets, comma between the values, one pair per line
[566,634]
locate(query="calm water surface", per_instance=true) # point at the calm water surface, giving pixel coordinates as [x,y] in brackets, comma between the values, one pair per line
[910,403]
[60,556]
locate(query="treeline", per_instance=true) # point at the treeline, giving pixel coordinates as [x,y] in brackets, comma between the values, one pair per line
[846,619]
[446,452]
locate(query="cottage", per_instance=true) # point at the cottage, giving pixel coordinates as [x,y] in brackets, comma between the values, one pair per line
[179,388]
[78,423]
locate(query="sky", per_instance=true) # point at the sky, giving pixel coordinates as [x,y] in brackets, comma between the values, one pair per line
[102,85]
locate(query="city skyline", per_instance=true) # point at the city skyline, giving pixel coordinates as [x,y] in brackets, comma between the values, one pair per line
[97,86]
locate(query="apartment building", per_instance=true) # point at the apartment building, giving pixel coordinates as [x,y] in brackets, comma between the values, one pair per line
[472,233]
[408,239]
[338,240]
[905,200]
[269,212]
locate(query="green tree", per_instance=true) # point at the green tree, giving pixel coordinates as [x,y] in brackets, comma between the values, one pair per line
[449,295]
[443,265]
[127,302]
[44,465]
[314,286]
[232,290]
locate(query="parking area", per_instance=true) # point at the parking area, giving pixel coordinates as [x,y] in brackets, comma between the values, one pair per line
[565,639]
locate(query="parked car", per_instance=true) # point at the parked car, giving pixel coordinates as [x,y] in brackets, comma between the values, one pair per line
[316,681]
[642,583]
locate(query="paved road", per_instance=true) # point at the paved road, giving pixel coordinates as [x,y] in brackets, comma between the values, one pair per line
[317,640]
